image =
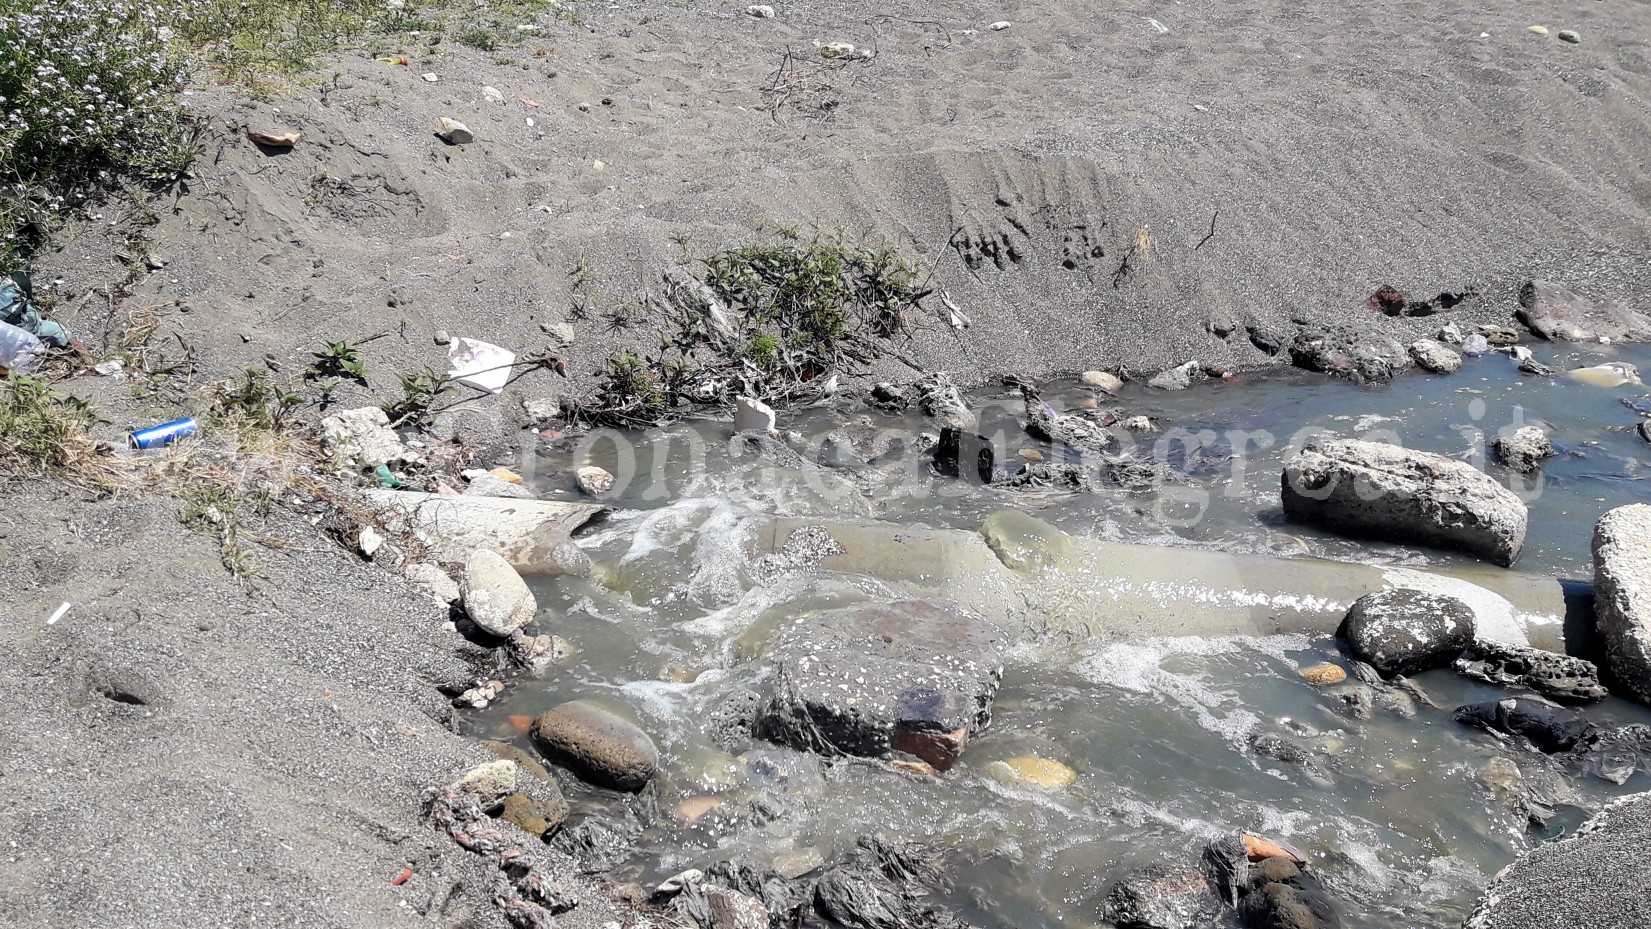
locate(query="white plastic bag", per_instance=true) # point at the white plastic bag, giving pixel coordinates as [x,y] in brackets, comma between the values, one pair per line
[19,349]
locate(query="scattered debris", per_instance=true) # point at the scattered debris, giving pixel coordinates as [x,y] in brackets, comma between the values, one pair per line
[479,364]
[752,415]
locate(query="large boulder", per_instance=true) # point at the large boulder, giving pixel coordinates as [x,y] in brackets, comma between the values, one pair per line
[877,679]
[495,596]
[1622,595]
[597,745]
[1386,492]
[1561,314]
[1597,877]
[1400,631]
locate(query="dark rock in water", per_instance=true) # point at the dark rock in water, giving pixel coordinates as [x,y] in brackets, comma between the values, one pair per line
[1069,429]
[1596,878]
[714,907]
[1402,631]
[1555,676]
[1273,745]
[599,841]
[876,679]
[732,722]
[1347,354]
[782,898]
[966,456]
[1560,314]
[598,746]
[889,396]
[1612,754]
[880,886]
[1287,906]
[1550,728]
[1383,491]
[1162,897]
[1524,449]
[1644,429]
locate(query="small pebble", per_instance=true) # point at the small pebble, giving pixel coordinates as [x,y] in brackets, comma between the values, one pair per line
[1569,35]
[430,78]
[1539,30]
[442,338]
[1000,25]
[760,11]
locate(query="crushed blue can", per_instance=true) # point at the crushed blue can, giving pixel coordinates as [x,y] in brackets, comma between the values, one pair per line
[164,434]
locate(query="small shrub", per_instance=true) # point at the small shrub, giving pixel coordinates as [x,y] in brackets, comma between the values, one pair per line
[88,97]
[256,401]
[419,395]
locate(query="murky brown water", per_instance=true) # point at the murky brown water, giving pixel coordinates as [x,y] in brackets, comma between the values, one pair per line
[1157,730]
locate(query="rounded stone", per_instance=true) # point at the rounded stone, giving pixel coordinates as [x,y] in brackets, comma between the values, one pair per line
[1324,673]
[597,745]
[1399,631]
[495,596]
[593,480]
[1032,771]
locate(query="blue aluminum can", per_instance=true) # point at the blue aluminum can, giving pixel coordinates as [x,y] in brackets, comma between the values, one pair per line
[164,434]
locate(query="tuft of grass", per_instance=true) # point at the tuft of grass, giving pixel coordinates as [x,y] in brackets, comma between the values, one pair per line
[255,401]
[43,432]
[773,320]
[224,509]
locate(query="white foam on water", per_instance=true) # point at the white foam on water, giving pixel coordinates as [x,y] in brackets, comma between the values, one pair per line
[1137,666]
[666,528]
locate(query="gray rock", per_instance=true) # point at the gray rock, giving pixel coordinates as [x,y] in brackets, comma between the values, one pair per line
[1596,877]
[1569,35]
[1555,676]
[1622,595]
[1435,356]
[362,438]
[495,596]
[941,399]
[877,679]
[1287,905]
[453,132]
[555,554]
[434,580]
[597,745]
[1076,432]
[1400,631]
[1561,314]
[453,526]
[1176,378]
[1293,753]
[1102,380]
[489,783]
[715,907]
[542,411]
[1524,449]
[1383,491]
[1162,897]
[1548,727]
[760,11]
[593,480]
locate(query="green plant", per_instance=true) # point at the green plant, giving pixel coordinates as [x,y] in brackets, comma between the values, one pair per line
[419,394]
[478,37]
[256,401]
[222,508]
[45,432]
[337,361]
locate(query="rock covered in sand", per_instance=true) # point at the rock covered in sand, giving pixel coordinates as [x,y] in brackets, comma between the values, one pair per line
[1558,313]
[1622,594]
[881,678]
[1386,492]
[597,745]
[1400,631]
[495,596]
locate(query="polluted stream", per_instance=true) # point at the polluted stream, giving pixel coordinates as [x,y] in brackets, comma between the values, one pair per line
[1105,753]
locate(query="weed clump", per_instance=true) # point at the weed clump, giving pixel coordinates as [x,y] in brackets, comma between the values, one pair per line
[44,432]
[774,321]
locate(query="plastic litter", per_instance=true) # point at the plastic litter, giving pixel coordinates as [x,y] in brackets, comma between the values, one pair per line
[387,479]
[20,350]
[479,364]
[16,310]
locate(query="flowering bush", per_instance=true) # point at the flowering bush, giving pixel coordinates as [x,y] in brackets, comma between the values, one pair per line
[88,97]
